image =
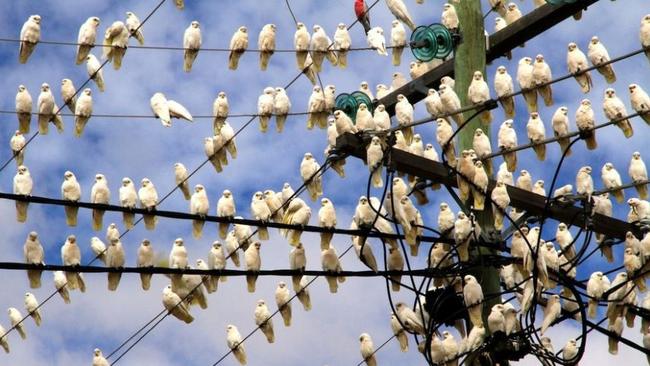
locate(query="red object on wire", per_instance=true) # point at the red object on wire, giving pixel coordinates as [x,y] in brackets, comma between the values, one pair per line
[361,10]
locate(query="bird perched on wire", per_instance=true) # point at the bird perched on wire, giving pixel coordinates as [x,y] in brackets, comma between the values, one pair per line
[577,64]
[148,197]
[639,100]
[261,211]
[316,108]
[199,205]
[331,264]
[134,26]
[401,13]
[71,256]
[95,72]
[32,307]
[71,191]
[639,174]
[297,261]
[397,41]
[615,109]
[500,201]
[473,297]
[115,258]
[433,103]
[479,188]
[176,306]
[377,40]
[191,44]
[30,34]
[504,86]
[308,169]
[265,107]
[612,180]
[450,103]
[281,107]
[560,123]
[282,298]
[60,283]
[478,93]
[264,321]
[644,34]
[86,38]
[34,254]
[586,123]
[68,94]
[266,44]
[598,55]
[512,13]
[542,77]
[145,259]
[23,185]
[128,199]
[342,43]
[367,349]
[466,170]
[99,194]
[404,116]
[507,139]
[219,111]
[238,45]
[449,17]
[48,111]
[399,333]
[552,311]
[584,182]
[234,341]
[321,48]
[116,40]
[527,82]
[537,134]
[301,41]
[24,105]
[83,111]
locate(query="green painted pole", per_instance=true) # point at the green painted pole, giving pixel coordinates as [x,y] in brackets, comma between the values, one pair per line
[470,57]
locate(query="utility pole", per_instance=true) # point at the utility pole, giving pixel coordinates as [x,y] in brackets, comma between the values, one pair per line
[469,57]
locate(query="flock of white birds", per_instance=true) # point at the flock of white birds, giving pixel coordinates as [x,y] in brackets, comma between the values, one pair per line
[533,76]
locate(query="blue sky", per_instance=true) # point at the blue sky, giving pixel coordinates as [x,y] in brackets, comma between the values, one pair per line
[137,148]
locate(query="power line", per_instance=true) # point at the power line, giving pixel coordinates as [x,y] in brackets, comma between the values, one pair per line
[80,89]
[321,170]
[208,218]
[546,208]
[340,256]
[519,92]
[535,253]
[36,134]
[151,116]
[560,137]
[378,348]
[415,123]
[18,266]
[167,312]
[276,312]
[202,49]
